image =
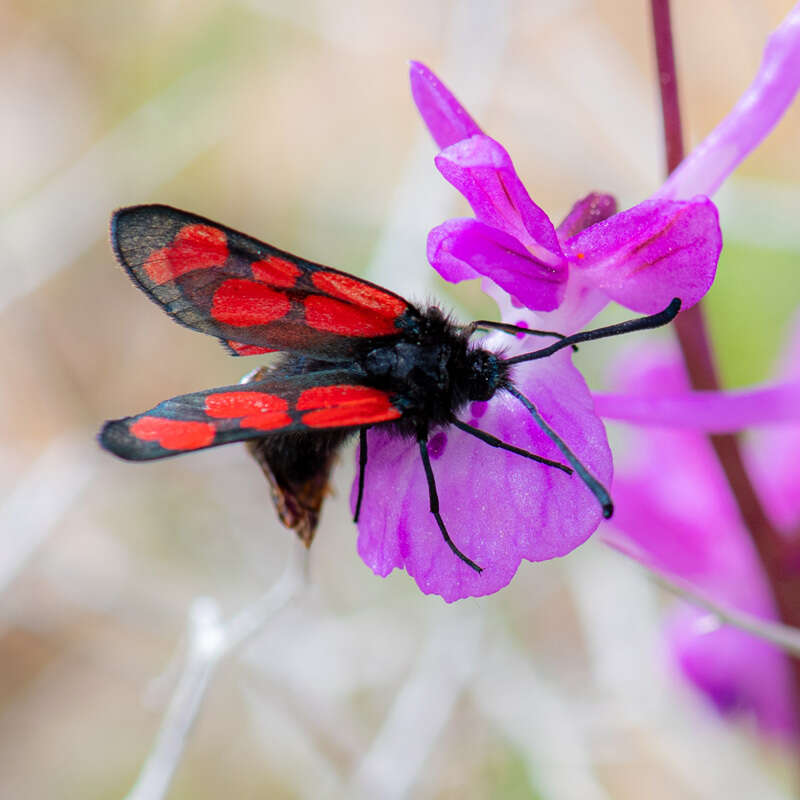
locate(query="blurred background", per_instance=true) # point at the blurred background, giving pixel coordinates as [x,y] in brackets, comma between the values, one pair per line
[293,122]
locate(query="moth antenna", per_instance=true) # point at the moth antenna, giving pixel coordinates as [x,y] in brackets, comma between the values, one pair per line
[629,326]
[596,488]
[487,324]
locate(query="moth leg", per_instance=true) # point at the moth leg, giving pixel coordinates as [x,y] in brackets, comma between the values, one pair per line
[495,442]
[362,467]
[434,499]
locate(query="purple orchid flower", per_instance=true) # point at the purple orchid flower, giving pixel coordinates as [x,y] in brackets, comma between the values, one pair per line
[675,512]
[498,510]
[701,538]
[642,257]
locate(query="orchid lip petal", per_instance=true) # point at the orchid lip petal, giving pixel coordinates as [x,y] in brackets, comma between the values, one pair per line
[533,511]
[752,118]
[481,169]
[466,248]
[447,120]
[645,256]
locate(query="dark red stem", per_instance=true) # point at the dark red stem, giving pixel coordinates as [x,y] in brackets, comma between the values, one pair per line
[778,556]
[668,83]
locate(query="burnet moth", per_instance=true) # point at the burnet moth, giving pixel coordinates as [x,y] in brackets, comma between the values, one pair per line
[355,356]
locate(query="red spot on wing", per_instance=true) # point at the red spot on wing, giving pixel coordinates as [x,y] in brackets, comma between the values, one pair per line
[239,404]
[335,316]
[339,406]
[244,349]
[194,247]
[242,303]
[259,410]
[173,434]
[276,272]
[359,293]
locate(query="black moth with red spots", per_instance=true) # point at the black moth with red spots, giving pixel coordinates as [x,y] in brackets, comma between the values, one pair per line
[355,355]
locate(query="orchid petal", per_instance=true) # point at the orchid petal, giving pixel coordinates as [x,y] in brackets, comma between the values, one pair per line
[752,118]
[645,256]
[588,211]
[737,672]
[674,504]
[463,248]
[447,120]
[666,496]
[499,508]
[481,169]
[707,412]
[773,459]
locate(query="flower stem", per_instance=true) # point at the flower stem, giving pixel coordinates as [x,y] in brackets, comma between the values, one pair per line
[668,83]
[778,557]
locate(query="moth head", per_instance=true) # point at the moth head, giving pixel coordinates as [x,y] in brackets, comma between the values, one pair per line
[486,372]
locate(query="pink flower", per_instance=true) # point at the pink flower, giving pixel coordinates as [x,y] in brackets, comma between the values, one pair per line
[674,507]
[499,508]
[675,511]
[642,257]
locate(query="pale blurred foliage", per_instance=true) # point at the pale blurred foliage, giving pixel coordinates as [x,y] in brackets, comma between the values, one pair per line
[293,121]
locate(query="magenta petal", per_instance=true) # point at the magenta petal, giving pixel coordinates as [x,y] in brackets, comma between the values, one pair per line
[667,508]
[707,412]
[440,257]
[464,248]
[499,508]
[447,120]
[588,211]
[674,505]
[736,671]
[645,256]
[482,171]
[773,457]
[752,118]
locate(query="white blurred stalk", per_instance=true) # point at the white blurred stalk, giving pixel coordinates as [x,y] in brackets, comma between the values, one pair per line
[783,636]
[210,640]
[540,720]
[636,699]
[422,707]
